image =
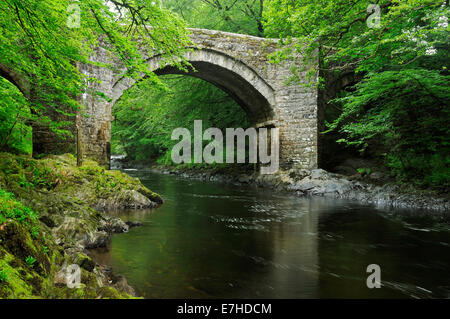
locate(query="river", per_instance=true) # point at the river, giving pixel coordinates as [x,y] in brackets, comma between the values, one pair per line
[213,240]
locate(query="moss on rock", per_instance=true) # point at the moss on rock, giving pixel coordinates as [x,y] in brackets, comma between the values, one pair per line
[51,212]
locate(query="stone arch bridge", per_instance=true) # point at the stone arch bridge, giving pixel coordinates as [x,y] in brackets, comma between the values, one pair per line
[238,64]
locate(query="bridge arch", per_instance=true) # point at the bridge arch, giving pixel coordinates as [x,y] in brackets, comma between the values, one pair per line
[238,64]
[234,77]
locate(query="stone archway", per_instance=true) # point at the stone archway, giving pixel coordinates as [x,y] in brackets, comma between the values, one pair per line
[238,64]
[242,83]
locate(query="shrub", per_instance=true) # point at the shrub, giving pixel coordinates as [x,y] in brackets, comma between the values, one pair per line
[3,276]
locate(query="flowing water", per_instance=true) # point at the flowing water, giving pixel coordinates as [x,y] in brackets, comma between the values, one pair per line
[221,241]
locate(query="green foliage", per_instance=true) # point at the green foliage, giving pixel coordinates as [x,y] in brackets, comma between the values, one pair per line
[40,48]
[93,170]
[34,231]
[10,208]
[15,135]
[400,110]
[409,31]
[30,261]
[146,116]
[3,276]
[364,171]
[243,16]
[403,115]
[29,173]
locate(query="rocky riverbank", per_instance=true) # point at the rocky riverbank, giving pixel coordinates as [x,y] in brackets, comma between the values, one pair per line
[366,189]
[51,213]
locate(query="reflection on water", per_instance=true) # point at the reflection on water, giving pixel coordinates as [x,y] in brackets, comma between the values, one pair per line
[216,241]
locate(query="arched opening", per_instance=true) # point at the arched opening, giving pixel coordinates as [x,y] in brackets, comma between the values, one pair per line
[234,77]
[239,92]
[250,99]
[145,116]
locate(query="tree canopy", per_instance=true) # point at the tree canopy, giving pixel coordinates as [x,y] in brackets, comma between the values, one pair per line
[43,41]
[239,16]
[147,115]
[398,108]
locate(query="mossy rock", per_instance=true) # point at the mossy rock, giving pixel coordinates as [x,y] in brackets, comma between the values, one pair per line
[84,261]
[65,197]
[17,240]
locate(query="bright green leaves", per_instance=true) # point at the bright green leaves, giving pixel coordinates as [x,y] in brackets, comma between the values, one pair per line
[40,42]
[243,16]
[15,135]
[30,260]
[400,110]
[403,114]
[407,30]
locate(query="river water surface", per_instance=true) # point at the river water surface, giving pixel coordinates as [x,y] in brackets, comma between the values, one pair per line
[213,240]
